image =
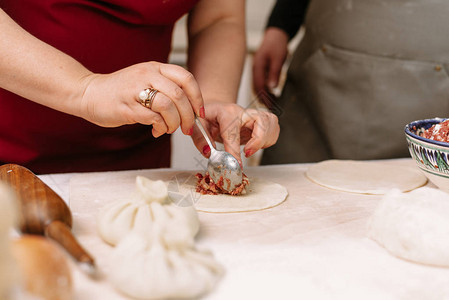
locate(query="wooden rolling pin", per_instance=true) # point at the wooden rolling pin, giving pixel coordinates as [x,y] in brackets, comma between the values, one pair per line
[43,212]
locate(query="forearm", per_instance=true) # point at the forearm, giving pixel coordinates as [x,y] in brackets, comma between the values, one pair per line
[217,53]
[38,71]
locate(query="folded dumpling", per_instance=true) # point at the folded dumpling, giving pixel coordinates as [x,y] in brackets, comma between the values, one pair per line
[151,205]
[149,269]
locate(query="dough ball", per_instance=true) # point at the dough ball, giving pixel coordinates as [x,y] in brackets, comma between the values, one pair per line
[8,209]
[43,268]
[8,268]
[148,269]
[414,225]
[179,224]
[365,177]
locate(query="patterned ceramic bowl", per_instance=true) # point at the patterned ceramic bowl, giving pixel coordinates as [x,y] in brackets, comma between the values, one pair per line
[432,157]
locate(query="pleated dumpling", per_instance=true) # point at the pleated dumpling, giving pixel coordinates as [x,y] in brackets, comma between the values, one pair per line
[149,206]
[148,269]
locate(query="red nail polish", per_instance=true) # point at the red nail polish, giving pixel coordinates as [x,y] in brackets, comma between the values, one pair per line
[206,150]
[202,112]
[248,153]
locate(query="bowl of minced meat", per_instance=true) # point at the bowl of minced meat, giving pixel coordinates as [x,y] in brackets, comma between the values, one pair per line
[428,143]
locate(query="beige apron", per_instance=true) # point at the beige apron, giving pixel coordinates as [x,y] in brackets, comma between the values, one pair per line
[364,69]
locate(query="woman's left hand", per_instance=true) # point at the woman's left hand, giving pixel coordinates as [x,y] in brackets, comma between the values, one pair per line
[233,126]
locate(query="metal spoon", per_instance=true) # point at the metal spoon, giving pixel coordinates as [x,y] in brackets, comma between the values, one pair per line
[222,164]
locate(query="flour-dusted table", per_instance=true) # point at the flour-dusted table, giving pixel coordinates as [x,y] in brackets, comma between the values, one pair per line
[312,246]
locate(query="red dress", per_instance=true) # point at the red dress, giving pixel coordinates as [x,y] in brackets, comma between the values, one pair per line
[104,36]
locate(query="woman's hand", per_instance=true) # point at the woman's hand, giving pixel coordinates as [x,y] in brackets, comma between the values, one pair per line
[233,125]
[269,59]
[112,99]
[45,75]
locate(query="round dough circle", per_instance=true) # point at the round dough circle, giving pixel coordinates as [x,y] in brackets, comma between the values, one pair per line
[260,195]
[365,177]
[413,226]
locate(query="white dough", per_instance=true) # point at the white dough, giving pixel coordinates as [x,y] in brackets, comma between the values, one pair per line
[414,226]
[261,194]
[365,177]
[8,269]
[147,269]
[151,206]
[155,255]
[151,190]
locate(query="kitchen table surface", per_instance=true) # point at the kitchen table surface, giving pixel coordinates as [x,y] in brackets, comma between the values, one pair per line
[311,246]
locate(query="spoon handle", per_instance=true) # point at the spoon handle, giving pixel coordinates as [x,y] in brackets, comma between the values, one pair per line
[203,131]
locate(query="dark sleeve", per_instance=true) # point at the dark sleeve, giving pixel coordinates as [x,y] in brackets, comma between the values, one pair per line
[288,15]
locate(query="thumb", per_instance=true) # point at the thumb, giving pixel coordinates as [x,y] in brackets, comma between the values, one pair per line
[231,140]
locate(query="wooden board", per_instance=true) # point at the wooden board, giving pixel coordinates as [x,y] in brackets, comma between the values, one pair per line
[313,245]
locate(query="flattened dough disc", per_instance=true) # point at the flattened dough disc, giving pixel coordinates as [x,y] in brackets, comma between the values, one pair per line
[365,177]
[261,194]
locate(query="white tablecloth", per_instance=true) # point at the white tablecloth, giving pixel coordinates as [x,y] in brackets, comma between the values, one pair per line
[312,246]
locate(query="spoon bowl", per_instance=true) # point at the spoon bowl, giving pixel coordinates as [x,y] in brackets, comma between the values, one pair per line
[222,165]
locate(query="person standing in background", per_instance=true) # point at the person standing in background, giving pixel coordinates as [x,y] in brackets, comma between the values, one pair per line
[363,70]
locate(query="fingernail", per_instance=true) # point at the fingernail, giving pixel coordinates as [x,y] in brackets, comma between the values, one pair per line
[206,150]
[248,153]
[202,112]
[190,131]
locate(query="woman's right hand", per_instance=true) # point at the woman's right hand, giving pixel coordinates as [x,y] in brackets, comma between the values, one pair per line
[112,100]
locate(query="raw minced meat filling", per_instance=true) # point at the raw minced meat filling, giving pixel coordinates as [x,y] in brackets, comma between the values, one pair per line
[206,186]
[438,132]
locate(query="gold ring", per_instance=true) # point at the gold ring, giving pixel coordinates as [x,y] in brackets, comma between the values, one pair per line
[147,96]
